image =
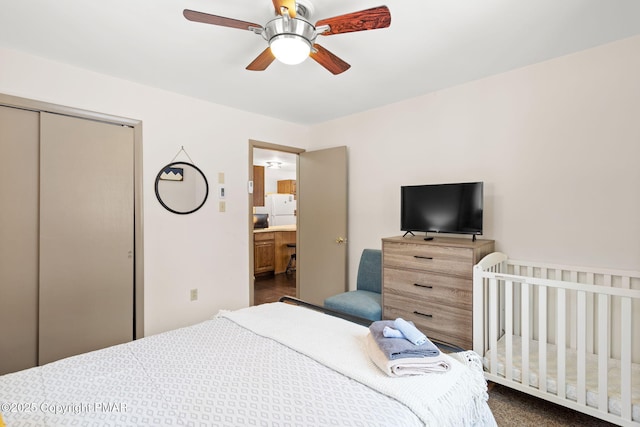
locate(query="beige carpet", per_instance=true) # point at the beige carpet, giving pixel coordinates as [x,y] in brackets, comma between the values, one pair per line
[514,408]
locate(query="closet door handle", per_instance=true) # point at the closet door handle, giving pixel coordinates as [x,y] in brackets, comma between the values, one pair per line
[422,257]
[423,286]
[423,314]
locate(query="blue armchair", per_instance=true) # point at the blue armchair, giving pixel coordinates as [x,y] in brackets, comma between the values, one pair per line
[365,301]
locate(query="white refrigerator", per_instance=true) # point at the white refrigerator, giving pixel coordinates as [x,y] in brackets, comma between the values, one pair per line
[281,209]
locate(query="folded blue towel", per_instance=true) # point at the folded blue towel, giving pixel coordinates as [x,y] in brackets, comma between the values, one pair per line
[394,348]
[388,332]
[410,332]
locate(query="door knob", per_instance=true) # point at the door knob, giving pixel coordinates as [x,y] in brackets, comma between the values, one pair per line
[341,240]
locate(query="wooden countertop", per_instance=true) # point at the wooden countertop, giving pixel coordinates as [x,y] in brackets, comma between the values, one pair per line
[275,228]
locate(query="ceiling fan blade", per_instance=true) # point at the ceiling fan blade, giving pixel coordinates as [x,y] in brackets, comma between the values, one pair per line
[370,19]
[206,18]
[289,4]
[262,61]
[328,60]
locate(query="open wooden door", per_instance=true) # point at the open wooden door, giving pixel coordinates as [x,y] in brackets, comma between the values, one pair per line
[322,224]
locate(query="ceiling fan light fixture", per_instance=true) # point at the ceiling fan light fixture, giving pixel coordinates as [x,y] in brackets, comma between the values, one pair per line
[292,38]
[290,49]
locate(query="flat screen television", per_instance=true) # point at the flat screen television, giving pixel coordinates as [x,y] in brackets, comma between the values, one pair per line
[442,208]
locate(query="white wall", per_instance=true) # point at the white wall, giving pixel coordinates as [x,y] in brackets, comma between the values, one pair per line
[272,176]
[207,250]
[557,145]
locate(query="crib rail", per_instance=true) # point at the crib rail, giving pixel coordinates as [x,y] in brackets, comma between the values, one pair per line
[588,312]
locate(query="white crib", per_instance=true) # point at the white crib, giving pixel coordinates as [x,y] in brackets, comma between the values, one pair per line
[572,334]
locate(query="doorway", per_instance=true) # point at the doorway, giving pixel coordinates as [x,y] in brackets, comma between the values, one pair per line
[273,221]
[320,234]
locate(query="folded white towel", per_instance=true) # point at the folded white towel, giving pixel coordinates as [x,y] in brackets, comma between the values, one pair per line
[408,365]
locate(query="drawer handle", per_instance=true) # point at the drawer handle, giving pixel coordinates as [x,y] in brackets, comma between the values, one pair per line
[422,314]
[423,286]
[422,257]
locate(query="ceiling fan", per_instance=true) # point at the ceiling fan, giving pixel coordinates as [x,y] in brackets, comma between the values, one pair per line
[292,38]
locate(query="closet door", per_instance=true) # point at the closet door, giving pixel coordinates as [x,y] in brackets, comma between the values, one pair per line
[86,236]
[18,239]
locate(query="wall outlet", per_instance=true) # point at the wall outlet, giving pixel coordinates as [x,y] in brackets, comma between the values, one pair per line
[194,294]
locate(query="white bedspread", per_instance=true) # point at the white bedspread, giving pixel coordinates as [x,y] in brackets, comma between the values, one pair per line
[219,373]
[457,397]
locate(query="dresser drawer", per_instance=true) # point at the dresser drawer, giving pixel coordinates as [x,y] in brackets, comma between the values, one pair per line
[448,324]
[439,259]
[429,287]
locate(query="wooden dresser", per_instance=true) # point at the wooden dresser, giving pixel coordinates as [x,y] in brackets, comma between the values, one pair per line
[430,282]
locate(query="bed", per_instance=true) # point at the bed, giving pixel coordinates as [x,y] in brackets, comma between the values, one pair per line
[272,364]
[566,334]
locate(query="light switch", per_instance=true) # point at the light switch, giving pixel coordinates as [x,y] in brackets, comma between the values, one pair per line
[220,177]
[222,205]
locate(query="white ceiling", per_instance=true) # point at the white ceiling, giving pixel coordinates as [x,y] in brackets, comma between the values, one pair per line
[287,161]
[430,45]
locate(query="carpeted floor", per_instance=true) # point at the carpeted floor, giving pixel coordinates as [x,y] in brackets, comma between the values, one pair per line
[513,408]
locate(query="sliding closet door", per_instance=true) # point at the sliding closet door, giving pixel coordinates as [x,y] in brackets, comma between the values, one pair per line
[18,239]
[86,236]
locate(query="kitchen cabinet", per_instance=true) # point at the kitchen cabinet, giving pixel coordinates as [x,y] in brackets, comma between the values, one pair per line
[258,186]
[270,251]
[431,284]
[264,254]
[287,186]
